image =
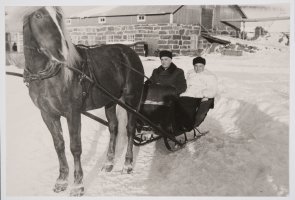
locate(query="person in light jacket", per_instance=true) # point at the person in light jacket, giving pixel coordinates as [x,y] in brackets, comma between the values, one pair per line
[202,85]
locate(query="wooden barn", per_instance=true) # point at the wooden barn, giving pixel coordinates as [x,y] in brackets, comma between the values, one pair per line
[173,27]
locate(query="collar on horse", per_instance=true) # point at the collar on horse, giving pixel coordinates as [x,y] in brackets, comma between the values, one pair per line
[52,68]
[40,50]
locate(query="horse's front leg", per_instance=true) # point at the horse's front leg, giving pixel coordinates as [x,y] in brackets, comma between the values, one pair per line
[54,126]
[74,124]
[110,112]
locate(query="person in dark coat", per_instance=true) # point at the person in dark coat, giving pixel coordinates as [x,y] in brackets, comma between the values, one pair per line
[169,74]
[14,47]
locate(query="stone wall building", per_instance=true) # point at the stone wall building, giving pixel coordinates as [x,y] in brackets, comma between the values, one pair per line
[173,27]
[177,28]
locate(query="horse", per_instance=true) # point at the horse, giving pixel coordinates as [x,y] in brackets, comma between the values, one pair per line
[57,92]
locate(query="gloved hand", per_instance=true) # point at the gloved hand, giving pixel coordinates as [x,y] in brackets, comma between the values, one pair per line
[148,82]
[204,99]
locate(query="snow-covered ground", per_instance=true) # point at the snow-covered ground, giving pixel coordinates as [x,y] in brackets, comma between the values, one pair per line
[245,153]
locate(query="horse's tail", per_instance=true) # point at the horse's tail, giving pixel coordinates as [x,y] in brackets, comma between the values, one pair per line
[142,98]
[133,64]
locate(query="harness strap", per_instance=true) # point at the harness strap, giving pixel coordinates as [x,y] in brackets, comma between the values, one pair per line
[137,72]
[125,106]
[86,85]
[50,70]
[40,50]
[122,104]
[95,46]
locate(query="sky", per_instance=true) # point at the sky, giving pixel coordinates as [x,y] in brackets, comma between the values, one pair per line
[278,10]
[13,22]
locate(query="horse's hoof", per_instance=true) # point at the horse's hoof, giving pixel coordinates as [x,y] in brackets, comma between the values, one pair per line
[77,191]
[59,187]
[127,169]
[107,168]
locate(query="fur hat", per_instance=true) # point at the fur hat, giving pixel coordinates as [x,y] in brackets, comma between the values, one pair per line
[165,53]
[199,60]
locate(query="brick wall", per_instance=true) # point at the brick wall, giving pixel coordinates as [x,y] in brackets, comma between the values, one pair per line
[180,39]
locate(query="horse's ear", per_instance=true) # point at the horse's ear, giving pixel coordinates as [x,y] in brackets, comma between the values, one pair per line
[58,10]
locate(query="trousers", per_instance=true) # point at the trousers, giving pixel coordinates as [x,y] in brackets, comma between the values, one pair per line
[202,111]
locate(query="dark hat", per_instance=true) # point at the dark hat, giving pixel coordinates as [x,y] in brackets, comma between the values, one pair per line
[199,60]
[165,53]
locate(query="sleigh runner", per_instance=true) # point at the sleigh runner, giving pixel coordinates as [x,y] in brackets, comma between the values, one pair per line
[175,115]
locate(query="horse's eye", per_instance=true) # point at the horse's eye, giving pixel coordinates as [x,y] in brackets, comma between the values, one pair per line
[38,15]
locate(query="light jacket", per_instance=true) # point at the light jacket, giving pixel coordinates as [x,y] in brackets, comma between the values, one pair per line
[200,85]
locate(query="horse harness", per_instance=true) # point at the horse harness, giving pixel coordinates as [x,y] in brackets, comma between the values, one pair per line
[52,69]
[85,71]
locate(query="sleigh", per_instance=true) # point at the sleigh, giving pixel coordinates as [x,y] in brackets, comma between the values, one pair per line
[162,114]
[172,114]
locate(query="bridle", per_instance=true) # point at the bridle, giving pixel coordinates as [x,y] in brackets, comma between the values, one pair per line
[52,68]
[40,50]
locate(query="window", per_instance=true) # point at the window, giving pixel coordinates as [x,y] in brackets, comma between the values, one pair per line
[68,21]
[102,20]
[141,18]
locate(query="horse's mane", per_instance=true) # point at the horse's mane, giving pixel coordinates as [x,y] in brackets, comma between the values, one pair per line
[73,56]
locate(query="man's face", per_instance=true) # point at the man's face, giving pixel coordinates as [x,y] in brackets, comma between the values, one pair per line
[166,61]
[199,67]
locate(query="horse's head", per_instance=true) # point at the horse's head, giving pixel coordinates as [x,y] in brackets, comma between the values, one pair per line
[47,28]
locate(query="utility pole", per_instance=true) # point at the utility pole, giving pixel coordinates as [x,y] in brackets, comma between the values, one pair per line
[244,30]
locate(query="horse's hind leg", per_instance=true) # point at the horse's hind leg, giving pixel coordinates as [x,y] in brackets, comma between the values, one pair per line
[130,134]
[54,126]
[131,98]
[74,124]
[110,112]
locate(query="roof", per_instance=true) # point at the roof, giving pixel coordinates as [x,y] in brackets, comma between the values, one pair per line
[129,11]
[239,9]
[94,11]
[231,25]
[213,39]
[258,19]
[268,10]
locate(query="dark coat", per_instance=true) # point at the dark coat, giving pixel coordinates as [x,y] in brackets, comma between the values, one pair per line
[173,76]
